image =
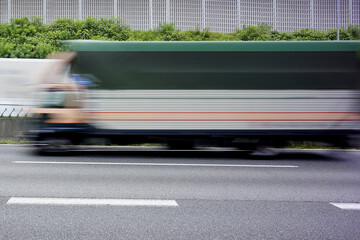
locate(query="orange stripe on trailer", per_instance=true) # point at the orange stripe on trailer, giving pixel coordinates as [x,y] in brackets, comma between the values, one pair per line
[225,116]
[64,122]
[230,112]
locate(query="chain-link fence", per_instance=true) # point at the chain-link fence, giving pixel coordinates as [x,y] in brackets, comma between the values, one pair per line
[217,15]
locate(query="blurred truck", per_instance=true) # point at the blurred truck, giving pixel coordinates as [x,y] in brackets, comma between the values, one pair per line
[236,94]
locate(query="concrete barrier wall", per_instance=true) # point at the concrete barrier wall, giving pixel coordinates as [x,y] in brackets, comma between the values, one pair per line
[10,128]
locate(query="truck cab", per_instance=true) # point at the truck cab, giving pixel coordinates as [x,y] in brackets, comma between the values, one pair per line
[59,121]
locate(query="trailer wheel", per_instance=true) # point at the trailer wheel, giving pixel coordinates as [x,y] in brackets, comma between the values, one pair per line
[264,152]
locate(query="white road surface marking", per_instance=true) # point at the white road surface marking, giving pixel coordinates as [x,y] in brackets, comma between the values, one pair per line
[347,206]
[91,201]
[155,164]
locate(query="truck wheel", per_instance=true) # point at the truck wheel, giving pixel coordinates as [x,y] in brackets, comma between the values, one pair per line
[180,144]
[53,146]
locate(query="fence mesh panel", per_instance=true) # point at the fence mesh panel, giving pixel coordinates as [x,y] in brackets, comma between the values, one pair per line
[253,12]
[325,14]
[159,12]
[61,9]
[135,13]
[344,13]
[221,16]
[292,15]
[20,8]
[355,12]
[98,9]
[186,15]
[218,15]
[4,11]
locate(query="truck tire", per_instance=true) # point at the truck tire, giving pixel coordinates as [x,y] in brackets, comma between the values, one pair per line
[53,146]
[180,144]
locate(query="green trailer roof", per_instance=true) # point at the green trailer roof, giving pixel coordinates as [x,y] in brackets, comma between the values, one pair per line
[206,46]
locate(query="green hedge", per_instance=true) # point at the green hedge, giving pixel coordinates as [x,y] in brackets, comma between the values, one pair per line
[30,38]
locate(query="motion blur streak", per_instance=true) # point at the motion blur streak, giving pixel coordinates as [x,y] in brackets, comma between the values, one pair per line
[237,94]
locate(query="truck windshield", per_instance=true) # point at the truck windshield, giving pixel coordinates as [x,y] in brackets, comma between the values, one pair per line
[54,99]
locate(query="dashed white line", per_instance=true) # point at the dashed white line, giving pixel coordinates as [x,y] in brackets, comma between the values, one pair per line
[347,206]
[91,201]
[156,164]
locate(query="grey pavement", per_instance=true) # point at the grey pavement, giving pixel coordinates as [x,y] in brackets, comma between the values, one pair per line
[221,194]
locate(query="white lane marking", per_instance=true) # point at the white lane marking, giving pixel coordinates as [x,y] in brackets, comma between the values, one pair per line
[347,206]
[156,164]
[91,201]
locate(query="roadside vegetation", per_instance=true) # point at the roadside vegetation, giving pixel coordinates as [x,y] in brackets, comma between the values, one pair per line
[13,141]
[30,38]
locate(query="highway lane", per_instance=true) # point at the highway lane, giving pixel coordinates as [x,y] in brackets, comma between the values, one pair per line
[218,194]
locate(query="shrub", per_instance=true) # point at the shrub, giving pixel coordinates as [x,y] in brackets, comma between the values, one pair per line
[331,34]
[113,28]
[149,35]
[30,38]
[168,32]
[7,50]
[280,36]
[309,35]
[20,28]
[354,31]
[259,32]
[197,34]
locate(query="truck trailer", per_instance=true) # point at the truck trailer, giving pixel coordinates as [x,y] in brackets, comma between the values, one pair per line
[236,94]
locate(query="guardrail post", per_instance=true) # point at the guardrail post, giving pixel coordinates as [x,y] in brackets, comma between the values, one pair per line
[19,113]
[3,113]
[11,112]
[26,114]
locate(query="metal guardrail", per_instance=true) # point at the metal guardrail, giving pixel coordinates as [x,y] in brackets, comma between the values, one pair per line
[12,121]
[14,113]
[11,128]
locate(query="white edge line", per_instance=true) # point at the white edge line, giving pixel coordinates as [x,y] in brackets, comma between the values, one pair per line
[347,206]
[155,164]
[91,201]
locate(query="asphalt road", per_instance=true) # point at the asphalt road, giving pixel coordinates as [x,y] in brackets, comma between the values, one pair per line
[142,193]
